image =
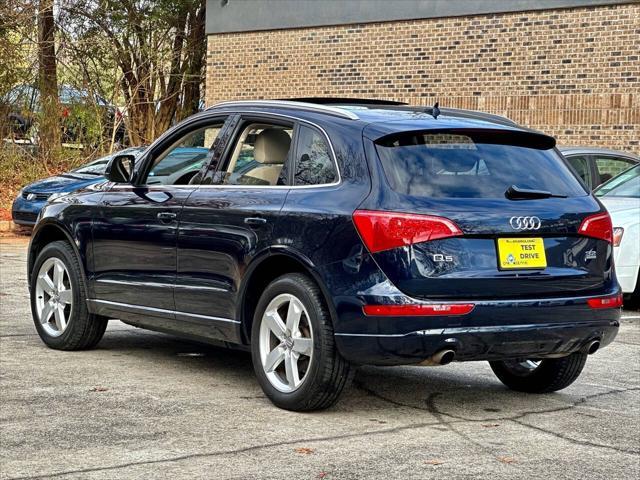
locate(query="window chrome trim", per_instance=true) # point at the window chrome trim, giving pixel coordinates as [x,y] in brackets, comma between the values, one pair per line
[183,286]
[282,187]
[118,186]
[311,107]
[155,186]
[133,283]
[161,310]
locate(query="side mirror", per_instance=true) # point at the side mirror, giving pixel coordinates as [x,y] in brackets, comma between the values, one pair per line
[120,169]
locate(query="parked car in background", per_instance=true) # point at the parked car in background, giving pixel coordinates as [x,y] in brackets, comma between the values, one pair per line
[597,165]
[621,197]
[178,168]
[322,237]
[34,196]
[77,115]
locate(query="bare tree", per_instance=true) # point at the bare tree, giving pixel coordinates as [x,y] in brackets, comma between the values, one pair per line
[196,50]
[159,47]
[49,121]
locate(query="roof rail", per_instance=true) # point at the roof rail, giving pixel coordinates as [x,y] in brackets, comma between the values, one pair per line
[312,107]
[344,101]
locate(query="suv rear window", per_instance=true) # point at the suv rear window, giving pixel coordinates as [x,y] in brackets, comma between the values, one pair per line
[478,164]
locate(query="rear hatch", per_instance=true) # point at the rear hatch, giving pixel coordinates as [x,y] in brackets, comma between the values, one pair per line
[483,213]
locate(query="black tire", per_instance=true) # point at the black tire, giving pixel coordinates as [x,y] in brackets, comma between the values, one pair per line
[84,330]
[328,373]
[550,375]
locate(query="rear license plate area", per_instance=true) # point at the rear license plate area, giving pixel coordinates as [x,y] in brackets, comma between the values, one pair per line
[521,253]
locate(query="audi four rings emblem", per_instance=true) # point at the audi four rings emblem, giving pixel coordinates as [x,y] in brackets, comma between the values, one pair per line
[525,223]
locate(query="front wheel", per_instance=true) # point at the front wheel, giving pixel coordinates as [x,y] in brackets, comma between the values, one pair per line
[292,346]
[540,376]
[58,301]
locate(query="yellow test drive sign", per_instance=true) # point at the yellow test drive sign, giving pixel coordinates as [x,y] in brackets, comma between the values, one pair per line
[521,253]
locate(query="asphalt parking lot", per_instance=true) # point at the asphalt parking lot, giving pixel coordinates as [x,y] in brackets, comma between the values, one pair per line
[147,405]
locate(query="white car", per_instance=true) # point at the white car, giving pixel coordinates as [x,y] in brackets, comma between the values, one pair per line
[621,197]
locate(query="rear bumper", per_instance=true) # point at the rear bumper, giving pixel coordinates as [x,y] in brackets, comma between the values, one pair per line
[480,343]
[495,330]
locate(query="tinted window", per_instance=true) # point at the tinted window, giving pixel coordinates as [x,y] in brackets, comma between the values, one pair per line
[474,165]
[97,167]
[178,164]
[610,166]
[314,165]
[581,165]
[626,184]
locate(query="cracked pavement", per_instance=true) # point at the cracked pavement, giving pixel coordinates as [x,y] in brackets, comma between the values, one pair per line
[148,405]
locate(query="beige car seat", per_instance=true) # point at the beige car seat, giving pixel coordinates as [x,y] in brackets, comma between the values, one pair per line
[270,149]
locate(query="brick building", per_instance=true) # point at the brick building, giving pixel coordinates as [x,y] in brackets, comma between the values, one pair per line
[568,67]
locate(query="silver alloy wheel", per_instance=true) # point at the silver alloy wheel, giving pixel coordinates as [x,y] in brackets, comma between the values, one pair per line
[286,342]
[522,367]
[530,364]
[54,296]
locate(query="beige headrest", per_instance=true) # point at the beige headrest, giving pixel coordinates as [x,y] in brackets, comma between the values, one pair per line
[272,146]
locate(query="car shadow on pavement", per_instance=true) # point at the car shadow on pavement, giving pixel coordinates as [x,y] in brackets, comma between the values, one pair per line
[466,391]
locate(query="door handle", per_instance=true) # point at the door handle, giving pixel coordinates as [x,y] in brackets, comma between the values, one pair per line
[166,217]
[255,221]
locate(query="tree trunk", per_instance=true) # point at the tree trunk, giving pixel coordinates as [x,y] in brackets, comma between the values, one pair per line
[171,87]
[49,116]
[195,60]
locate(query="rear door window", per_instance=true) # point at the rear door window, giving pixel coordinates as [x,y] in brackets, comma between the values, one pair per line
[474,164]
[609,166]
[582,167]
[314,163]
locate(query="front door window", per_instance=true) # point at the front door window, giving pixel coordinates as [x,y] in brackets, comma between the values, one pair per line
[183,160]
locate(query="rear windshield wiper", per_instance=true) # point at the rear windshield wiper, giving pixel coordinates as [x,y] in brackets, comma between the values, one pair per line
[517,193]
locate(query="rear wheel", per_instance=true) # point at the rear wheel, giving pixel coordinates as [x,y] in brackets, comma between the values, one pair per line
[292,346]
[540,376]
[58,301]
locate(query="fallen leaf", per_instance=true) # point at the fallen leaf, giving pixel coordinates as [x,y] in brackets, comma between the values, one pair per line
[435,461]
[491,425]
[506,460]
[99,389]
[304,451]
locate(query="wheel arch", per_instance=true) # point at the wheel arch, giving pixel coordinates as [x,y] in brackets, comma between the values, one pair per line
[46,233]
[264,270]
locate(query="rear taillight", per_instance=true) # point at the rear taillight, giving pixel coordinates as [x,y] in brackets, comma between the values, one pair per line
[597,226]
[617,236]
[418,310]
[612,301]
[387,230]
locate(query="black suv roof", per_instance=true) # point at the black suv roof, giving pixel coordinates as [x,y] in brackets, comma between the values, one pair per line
[367,110]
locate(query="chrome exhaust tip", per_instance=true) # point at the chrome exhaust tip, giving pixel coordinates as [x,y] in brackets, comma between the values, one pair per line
[443,357]
[592,347]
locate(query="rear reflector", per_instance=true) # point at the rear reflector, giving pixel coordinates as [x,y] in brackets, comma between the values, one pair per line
[597,226]
[617,236]
[433,309]
[386,230]
[614,301]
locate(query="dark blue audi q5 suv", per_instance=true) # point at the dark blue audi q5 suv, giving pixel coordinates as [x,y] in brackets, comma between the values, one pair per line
[322,236]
